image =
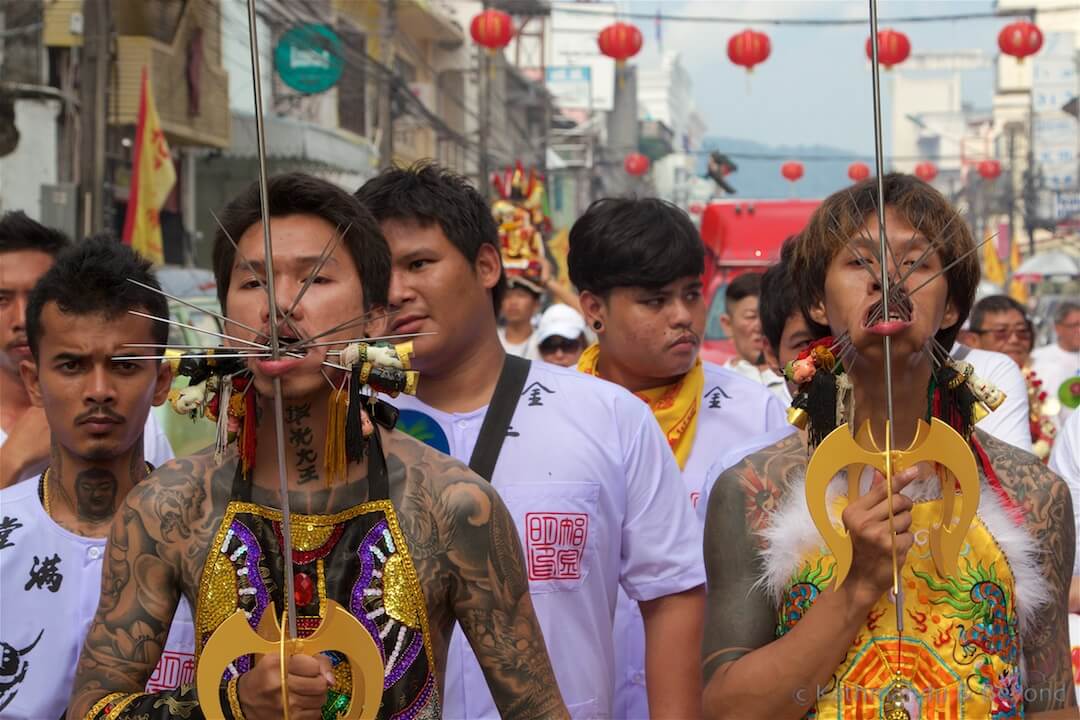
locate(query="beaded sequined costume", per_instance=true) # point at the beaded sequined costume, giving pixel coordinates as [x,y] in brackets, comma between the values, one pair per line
[960,656]
[358,558]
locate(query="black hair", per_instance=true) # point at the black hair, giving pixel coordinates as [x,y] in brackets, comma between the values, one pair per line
[298,193]
[1061,312]
[91,278]
[633,242]
[992,304]
[428,194]
[779,300]
[19,232]
[746,285]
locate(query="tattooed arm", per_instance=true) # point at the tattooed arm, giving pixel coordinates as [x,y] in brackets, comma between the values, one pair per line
[747,672]
[463,532]
[1048,516]
[140,588]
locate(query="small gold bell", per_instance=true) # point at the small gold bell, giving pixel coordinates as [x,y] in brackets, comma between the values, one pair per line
[894,705]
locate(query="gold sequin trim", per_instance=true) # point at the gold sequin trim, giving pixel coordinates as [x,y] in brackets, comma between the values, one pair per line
[409,578]
[234,699]
[309,536]
[101,704]
[399,598]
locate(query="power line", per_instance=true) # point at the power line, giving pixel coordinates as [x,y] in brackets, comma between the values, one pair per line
[817,22]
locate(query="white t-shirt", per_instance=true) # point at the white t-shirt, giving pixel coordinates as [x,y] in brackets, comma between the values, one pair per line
[1054,365]
[595,493]
[1010,422]
[1065,461]
[733,410]
[528,349]
[775,383]
[51,585]
[156,448]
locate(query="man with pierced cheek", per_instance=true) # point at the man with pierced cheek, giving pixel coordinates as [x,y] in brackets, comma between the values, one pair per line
[987,634]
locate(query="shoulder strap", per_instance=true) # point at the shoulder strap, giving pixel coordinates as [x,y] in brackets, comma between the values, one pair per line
[515,371]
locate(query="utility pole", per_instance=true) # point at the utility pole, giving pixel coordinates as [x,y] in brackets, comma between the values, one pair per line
[1010,193]
[93,89]
[483,167]
[386,90]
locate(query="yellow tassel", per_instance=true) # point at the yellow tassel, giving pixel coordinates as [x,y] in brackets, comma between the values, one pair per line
[334,461]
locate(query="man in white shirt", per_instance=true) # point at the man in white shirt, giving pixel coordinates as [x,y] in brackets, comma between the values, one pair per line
[27,251]
[520,304]
[638,264]
[742,323]
[52,532]
[580,463]
[1057,362]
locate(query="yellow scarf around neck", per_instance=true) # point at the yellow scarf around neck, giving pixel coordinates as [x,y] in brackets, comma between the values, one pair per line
[674,406]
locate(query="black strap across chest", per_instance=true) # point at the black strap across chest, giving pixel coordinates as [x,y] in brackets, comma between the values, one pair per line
[515,371]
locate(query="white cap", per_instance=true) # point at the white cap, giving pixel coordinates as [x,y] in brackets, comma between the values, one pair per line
[561,320]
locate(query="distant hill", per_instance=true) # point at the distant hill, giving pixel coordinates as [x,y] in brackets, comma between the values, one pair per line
[761,179]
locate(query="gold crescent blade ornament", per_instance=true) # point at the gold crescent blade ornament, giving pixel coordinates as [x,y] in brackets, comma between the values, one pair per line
[935,443]
[338,630]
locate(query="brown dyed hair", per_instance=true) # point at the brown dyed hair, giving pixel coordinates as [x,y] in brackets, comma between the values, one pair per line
[842,215]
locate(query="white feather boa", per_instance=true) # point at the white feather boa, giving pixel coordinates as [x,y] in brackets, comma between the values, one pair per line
[791,536]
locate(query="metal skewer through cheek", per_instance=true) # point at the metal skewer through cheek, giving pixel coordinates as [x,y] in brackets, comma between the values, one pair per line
[879,159]
[275,345]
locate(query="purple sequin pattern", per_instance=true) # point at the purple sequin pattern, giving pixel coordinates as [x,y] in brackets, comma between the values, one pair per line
[405,661]
[420,704]
[252,554]
[367,567]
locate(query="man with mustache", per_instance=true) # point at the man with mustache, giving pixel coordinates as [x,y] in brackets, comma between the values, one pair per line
[741,321]
[638,264]
[96,405]
[585,471]
[405,540]
[27,250]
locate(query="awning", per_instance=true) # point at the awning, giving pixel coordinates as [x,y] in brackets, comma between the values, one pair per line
[303,142]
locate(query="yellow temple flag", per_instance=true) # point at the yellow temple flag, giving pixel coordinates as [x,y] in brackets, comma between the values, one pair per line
[1017,289]
[993,270]
[152,179]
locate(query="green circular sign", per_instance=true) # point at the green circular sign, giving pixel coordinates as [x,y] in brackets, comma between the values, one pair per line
[308,58]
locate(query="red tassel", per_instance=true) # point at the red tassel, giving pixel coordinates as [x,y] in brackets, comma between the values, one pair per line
[1014,511]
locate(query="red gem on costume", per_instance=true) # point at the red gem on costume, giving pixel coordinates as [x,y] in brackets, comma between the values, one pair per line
[305,589]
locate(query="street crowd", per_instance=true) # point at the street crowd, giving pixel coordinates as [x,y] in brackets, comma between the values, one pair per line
[574,514]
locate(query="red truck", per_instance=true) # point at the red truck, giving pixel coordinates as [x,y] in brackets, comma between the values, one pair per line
[742,236]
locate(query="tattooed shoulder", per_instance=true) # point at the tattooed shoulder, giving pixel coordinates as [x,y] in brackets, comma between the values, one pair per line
[1046,504]
[761,480]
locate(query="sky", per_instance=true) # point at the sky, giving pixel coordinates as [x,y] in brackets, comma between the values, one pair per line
[815,87]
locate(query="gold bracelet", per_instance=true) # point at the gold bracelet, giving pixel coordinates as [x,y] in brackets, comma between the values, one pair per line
[234,698]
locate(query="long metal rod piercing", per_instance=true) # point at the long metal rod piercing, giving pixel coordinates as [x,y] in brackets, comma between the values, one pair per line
[275,346]
[879,159]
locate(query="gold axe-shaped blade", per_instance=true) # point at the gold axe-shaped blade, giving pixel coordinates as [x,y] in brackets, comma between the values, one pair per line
[936,443]
[339,631]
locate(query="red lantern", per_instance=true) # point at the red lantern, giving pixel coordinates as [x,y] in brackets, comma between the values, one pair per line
[748,48]
[792,170]
[620,41]
[926,171]
[1020,39]
[492,29]
[858,171]
[989,169]
[636,164]
[696,208]
[893,48]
